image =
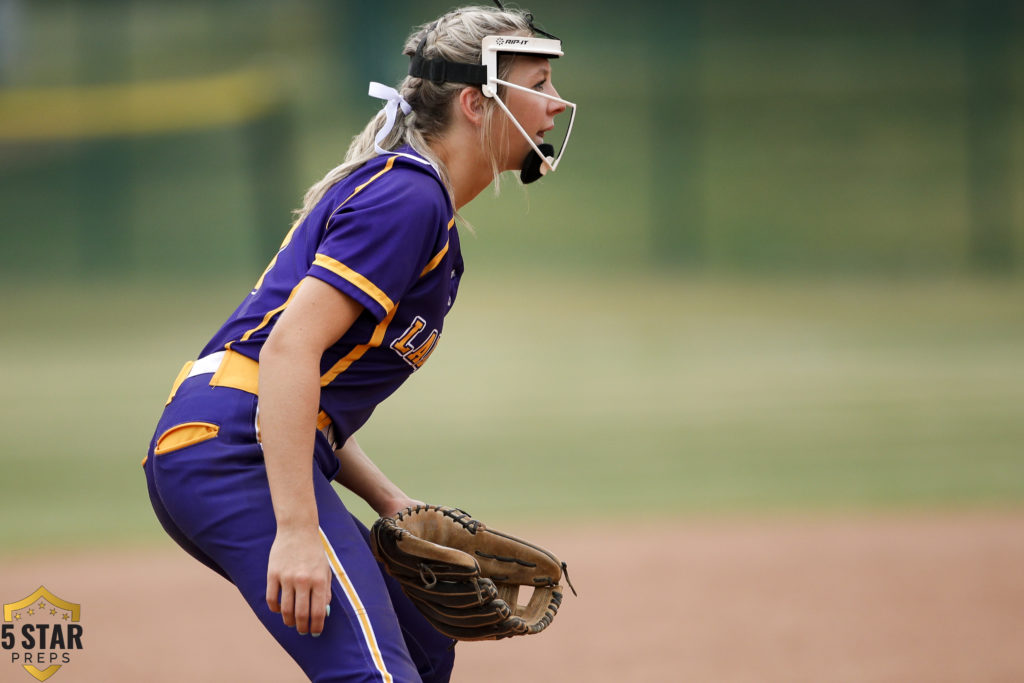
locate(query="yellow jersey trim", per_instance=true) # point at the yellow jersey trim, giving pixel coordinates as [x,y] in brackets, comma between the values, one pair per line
[267,318]
[360,281]
[287,240]
[357,352]
[440,255]
[343,271]
[387,167]
[273,262]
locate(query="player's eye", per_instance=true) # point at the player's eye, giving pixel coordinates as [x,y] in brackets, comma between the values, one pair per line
[541,84]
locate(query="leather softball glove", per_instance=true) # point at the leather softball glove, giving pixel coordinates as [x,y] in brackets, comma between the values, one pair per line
[464,577]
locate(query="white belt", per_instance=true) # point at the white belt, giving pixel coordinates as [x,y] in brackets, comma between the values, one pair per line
[229,369]
[206,365]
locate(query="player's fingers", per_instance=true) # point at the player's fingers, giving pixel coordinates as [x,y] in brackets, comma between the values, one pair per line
[302,592]
[330,593]
[288,604]
[318,607]
[273,593]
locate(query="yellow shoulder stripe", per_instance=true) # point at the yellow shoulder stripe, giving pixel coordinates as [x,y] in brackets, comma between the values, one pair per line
[440,255]
[346,273]
[387,167]
[334,266]
[343,271]
[436,260]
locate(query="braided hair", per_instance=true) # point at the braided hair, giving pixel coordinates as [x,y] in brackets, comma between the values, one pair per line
[455,37]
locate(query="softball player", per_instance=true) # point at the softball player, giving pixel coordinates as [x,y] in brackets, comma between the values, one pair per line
[253,433]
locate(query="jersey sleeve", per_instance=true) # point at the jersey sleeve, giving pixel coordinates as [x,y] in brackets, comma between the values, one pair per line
[377,241]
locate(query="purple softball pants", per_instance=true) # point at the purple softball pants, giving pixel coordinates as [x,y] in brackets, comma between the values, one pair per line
[208,485]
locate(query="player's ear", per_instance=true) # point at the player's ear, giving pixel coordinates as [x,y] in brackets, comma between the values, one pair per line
[471,104]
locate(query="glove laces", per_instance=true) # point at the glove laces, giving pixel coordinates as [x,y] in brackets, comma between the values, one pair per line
[424,572]
[565,573]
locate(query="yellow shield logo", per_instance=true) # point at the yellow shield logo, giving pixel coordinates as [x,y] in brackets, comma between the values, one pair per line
[41,632]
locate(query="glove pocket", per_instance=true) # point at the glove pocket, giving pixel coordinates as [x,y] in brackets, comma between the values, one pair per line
[183,435]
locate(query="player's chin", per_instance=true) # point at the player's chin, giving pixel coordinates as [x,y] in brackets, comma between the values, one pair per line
[519,154]
[514,162]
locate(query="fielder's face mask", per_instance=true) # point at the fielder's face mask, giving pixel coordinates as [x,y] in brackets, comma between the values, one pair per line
[543,158]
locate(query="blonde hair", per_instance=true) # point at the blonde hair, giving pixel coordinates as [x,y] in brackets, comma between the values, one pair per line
[455,37]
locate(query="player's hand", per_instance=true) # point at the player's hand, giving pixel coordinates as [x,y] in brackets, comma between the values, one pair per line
[299,580]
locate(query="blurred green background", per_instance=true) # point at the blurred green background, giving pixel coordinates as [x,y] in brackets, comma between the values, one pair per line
[779,270]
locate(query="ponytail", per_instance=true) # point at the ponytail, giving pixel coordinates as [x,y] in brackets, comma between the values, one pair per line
[456,37]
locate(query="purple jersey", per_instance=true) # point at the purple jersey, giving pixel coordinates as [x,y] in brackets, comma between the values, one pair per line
[386,237]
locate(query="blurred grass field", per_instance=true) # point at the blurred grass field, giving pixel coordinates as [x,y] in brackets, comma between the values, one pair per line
[563,395]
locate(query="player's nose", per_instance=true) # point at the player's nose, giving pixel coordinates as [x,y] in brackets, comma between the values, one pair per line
[555,108]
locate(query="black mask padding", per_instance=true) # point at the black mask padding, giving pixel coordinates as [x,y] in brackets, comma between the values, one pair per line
[533,163]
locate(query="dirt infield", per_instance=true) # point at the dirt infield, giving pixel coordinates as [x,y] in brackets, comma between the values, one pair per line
[905,598]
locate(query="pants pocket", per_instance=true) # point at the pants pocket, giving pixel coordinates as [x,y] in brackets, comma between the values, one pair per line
[183,435]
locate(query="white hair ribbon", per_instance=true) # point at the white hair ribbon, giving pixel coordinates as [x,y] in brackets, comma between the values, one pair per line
[394,101]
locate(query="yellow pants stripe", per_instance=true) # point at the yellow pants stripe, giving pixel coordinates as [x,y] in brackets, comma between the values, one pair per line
[357,607]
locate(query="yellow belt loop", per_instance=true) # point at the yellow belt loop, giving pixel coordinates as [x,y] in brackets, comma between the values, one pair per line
[179,379]
[237,372]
